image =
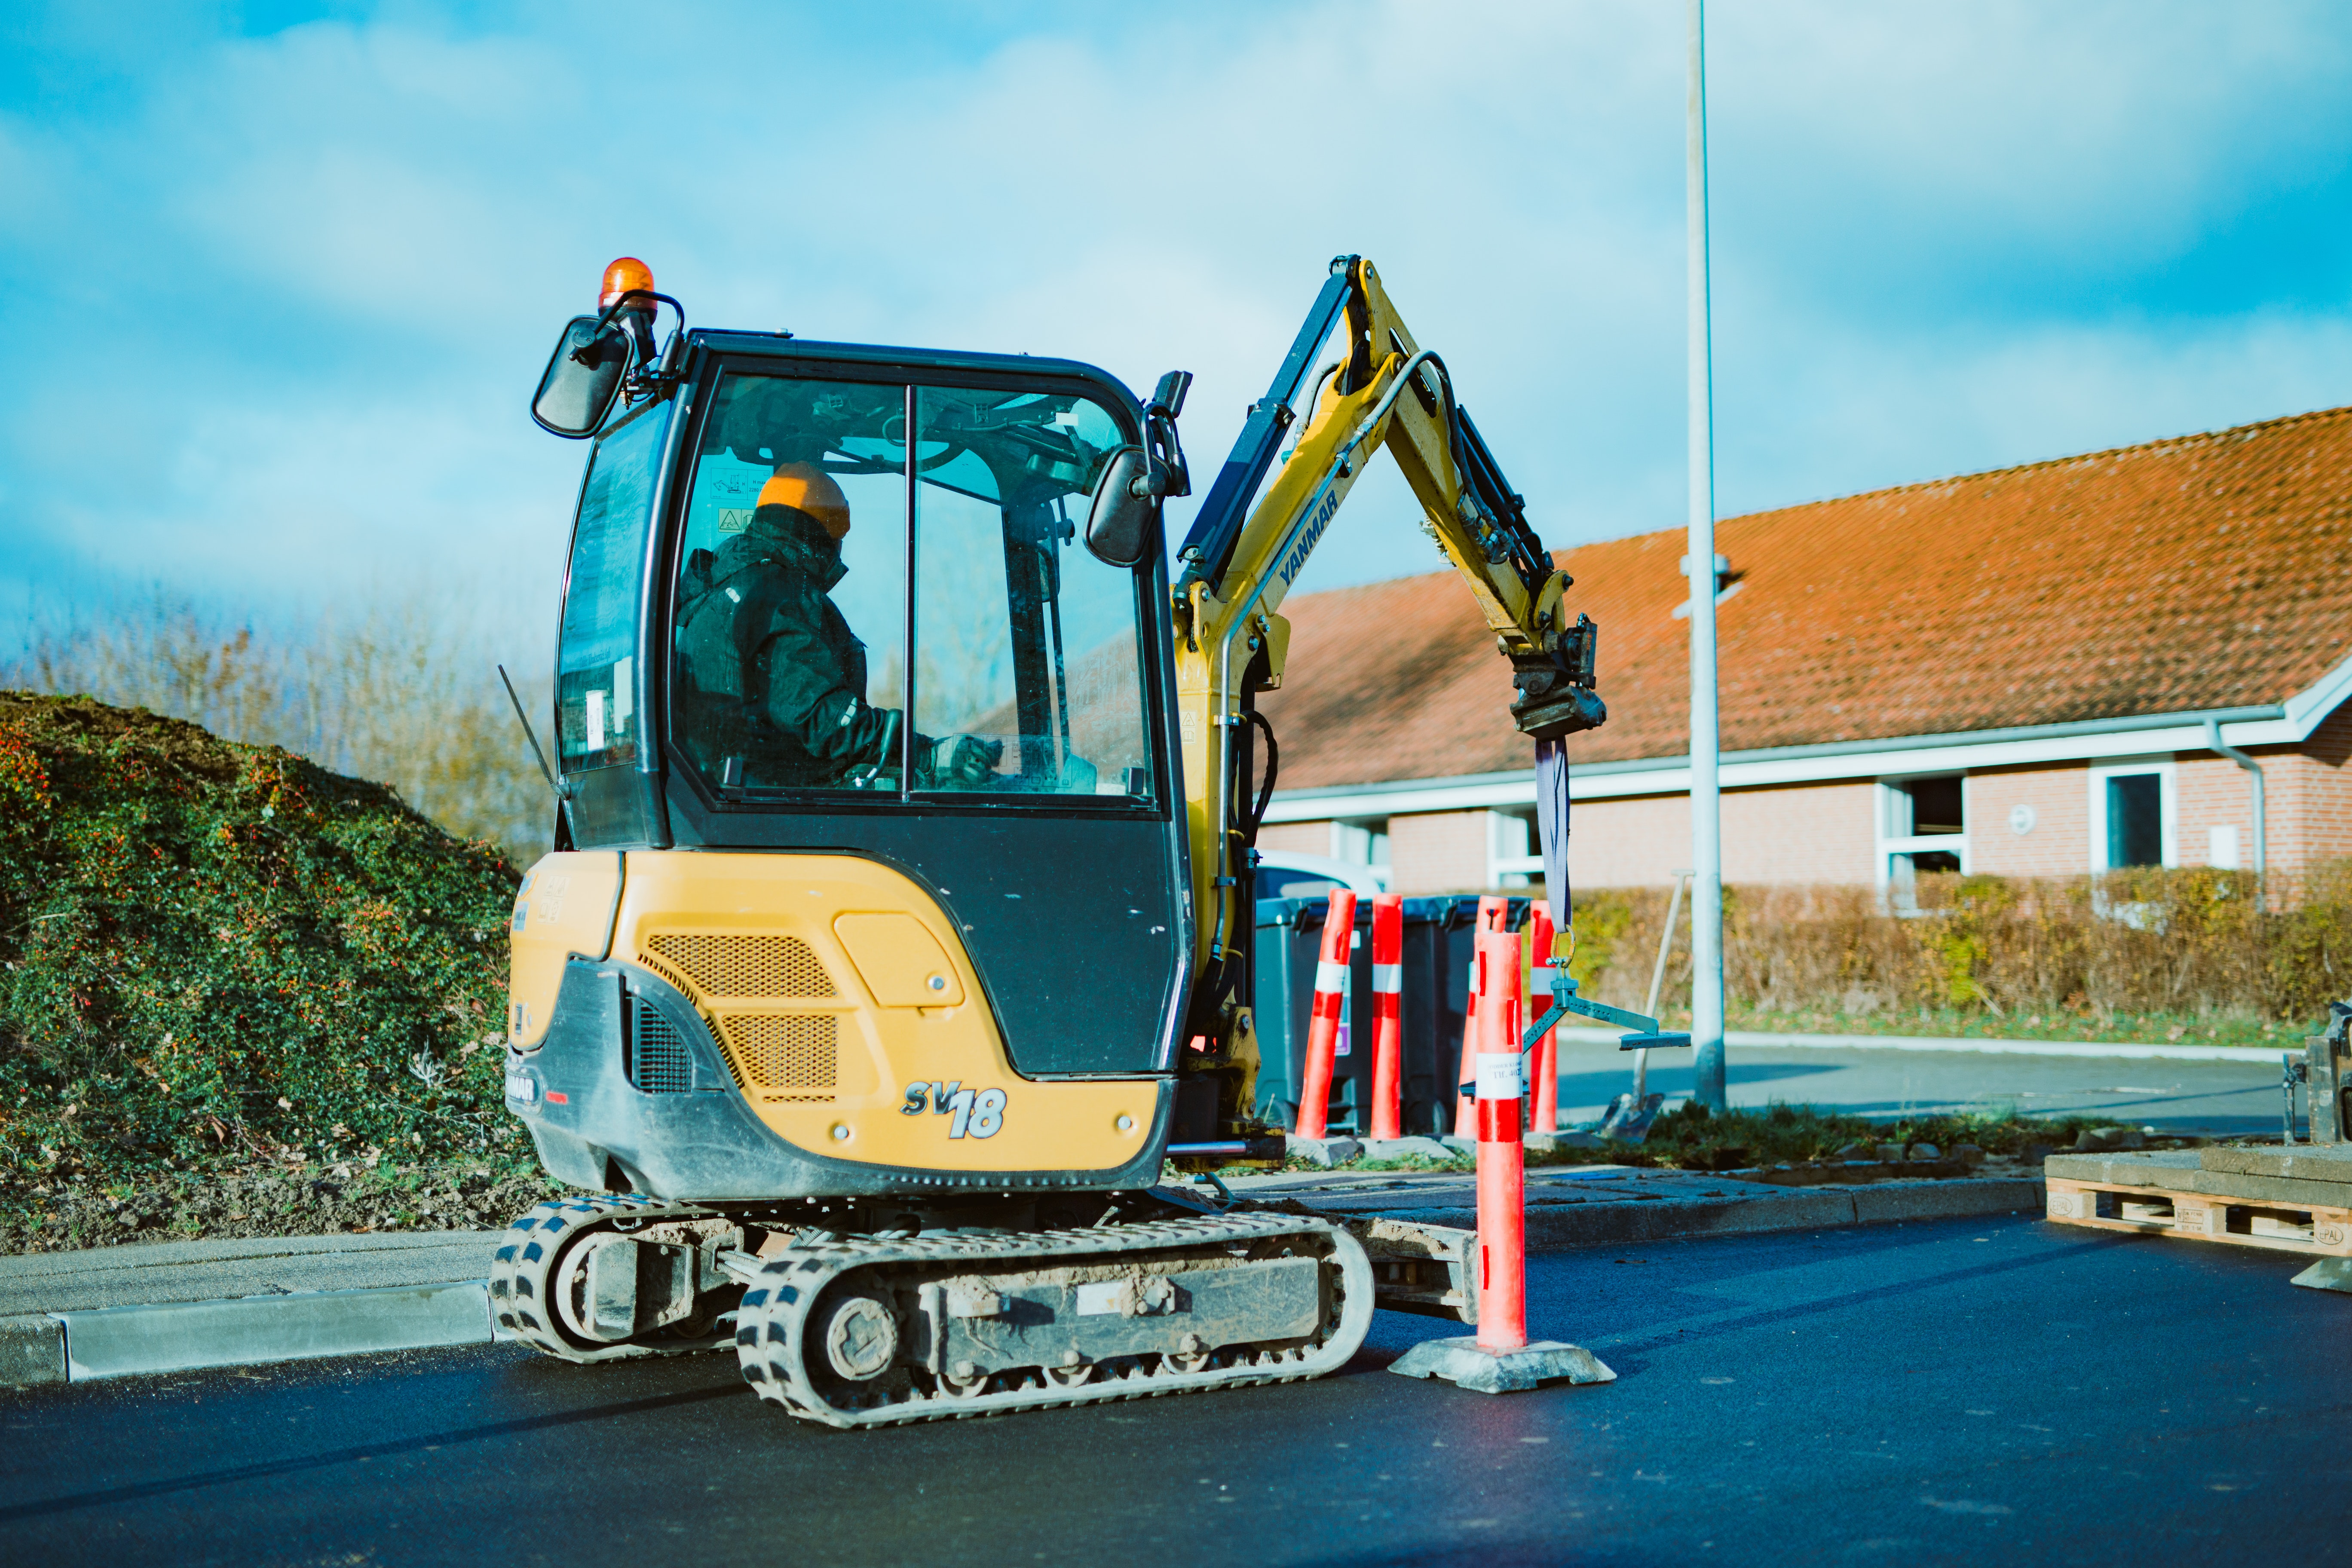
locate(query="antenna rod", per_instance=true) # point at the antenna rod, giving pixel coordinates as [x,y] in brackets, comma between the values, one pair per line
[527,735]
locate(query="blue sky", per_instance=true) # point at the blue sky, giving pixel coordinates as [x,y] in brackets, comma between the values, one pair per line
[280,277]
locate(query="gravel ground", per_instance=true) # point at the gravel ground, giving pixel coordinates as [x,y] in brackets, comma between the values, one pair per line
[316,1201]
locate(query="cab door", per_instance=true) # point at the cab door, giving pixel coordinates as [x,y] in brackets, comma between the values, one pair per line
[998,729]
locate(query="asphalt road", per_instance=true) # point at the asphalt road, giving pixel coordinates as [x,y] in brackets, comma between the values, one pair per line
[1963,1391]
[2173,1095]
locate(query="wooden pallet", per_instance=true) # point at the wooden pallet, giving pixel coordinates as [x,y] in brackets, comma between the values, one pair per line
[2315,1229]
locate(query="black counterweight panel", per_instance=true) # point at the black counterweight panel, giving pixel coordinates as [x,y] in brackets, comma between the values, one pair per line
[1073,922]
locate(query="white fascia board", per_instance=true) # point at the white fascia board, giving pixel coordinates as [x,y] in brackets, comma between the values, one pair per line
[1480,792]
[2306,710]
[1950,757]
[2129,736]
[1671,775]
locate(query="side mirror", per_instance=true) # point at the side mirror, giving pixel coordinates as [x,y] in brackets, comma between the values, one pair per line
[583,375]
[1118,525]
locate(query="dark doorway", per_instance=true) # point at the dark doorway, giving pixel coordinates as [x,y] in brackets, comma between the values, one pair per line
[1936,806]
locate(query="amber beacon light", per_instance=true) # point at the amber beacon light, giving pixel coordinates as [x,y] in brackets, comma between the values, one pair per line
[622,276]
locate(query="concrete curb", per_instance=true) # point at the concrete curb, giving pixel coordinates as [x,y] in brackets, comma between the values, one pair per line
[32,1349]
[185,1336]
[2256,1055]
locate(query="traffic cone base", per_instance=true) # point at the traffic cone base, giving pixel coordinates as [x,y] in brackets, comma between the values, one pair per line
[1466,1364]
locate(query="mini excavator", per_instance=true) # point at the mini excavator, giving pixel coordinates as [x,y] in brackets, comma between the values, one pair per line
[896,936]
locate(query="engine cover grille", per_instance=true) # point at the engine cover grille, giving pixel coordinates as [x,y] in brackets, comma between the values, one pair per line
[789,1056]
[753,966]
[780,1056]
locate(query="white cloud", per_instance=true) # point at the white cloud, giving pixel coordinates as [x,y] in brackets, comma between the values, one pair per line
[296,289]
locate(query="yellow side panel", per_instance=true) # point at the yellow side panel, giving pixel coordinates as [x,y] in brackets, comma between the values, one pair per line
[564,906]
[816,971]
[900,960]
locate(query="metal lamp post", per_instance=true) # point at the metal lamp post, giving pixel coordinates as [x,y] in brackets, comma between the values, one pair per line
[1705,799]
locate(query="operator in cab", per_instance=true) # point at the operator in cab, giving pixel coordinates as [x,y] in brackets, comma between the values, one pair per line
[777,674]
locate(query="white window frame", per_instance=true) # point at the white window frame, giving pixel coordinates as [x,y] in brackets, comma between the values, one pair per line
[1894,834]
[1514,854]
[1362,841]
[2168,810]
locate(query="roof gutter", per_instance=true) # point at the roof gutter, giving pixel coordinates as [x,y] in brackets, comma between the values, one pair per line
[1871,757]
[2288,723]
[2208,717]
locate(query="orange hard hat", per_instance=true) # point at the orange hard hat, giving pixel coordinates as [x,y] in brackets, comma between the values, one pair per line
[809,489]
[624,275]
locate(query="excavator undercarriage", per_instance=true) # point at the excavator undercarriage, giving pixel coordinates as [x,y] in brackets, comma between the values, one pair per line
[860,1323]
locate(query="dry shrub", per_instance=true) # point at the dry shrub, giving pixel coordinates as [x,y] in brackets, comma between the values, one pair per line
[2191,941]
[405,692]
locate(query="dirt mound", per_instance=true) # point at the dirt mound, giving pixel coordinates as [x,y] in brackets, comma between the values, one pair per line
[221,955]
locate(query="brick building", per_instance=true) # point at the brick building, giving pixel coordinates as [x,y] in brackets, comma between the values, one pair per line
[2024,672]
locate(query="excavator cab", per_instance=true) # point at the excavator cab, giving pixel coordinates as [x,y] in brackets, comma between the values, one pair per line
[829,606]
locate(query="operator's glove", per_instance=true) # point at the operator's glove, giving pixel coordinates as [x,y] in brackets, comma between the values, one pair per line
[966,759]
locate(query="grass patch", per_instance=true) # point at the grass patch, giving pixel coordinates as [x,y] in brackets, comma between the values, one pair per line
[1691,1138]
[1952,1023]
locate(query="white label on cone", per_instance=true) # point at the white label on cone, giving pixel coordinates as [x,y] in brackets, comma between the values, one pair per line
[1499,1077]
[1329,976]
[1388,978]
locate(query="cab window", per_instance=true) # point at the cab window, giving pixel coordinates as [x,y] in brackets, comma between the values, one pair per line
[595,664]
[1028,663]
[790,608]
[796,666]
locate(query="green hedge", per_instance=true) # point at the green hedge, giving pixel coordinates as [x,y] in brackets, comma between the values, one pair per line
[223,952]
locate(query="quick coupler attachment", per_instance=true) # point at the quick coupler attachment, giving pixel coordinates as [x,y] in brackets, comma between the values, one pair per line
[1564,1001]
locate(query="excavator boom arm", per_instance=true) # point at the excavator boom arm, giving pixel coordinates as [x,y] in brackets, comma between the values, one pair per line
[1240,561]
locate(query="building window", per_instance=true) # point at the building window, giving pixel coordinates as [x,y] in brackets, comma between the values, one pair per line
[2135,820]
[1514,854]
[1923,826]
[2132,815]
[1362,842]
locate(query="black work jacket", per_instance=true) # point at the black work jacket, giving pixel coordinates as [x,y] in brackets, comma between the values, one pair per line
[773,674]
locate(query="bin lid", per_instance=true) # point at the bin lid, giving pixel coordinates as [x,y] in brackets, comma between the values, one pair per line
[1448,911]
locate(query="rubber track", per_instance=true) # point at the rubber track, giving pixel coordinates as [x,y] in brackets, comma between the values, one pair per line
[519,1299]
[771,1322]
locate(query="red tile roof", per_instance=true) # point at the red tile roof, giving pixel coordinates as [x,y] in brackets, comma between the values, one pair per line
[2212,571]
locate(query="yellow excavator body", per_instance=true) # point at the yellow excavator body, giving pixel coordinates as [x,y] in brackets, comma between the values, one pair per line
[898,931]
